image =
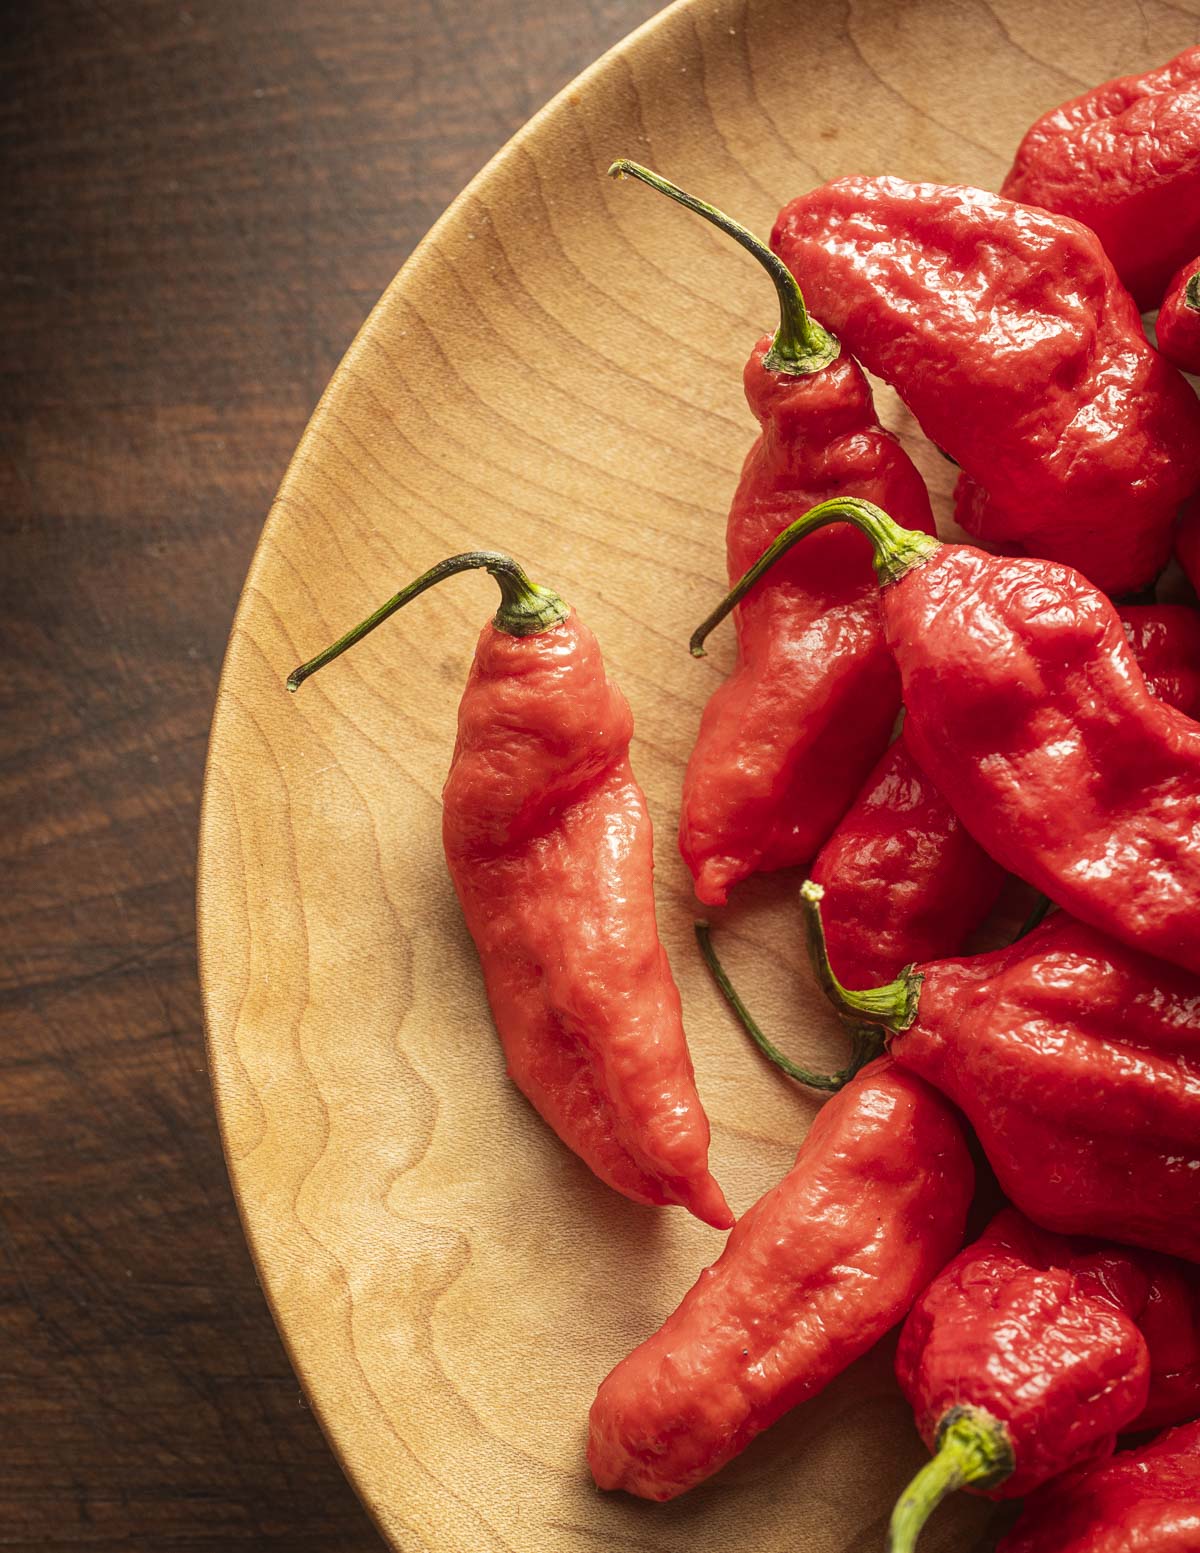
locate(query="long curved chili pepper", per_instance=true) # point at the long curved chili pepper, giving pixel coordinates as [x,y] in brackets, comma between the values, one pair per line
[1025,1357]
[811,702]
[1145,1500]
[1124,158]
[1177,328]
[904,879]
[1025,706]
[811,1277]
[548,842]
[1007,333]
[1074,1057]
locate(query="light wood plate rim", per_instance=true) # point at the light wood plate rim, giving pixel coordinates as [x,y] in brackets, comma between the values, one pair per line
[417,260]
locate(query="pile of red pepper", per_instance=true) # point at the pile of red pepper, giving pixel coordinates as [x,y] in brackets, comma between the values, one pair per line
[1049,737]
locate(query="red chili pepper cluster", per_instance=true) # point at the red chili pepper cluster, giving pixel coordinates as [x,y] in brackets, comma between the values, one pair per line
[796,727]
[1029,1353]
[921,281]
[1049,743]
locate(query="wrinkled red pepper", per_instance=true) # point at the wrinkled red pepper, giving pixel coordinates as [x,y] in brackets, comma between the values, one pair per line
[813,1274]
[1124,158]
[1025,706]
[1177,328]
[810,705]
[1145,1500]
[1075,1059]
[903,878]
[1025,1357]
[1007,333]
[548,842]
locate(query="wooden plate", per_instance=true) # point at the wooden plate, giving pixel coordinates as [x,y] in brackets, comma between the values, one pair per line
[556,372]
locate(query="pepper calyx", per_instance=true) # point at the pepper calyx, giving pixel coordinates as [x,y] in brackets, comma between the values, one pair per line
[972,1448]
[894,1005]
[1191,293]
[526,608]
[794,360]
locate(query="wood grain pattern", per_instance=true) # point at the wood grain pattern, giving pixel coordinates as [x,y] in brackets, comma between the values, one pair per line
[554,372]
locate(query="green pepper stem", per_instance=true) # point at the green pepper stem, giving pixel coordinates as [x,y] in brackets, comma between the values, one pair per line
[897,550]
[1035,918]
[800,345]
[1191,293]
[894,1005]
[973,1448]
[866,1042]
[525,608]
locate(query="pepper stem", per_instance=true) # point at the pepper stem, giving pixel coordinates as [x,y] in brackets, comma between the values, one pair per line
[1035,918]
[525,608]
[893,1005]
[1191,293]
[897,550]
[866,1042]
[973,1448]
[800,345]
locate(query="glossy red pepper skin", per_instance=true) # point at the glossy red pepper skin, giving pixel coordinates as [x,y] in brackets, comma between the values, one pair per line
[812,1275]
[810,705]
[1140,1501]
[1026,707]
[1177,328]
[1007,333]
[548,841]
[1044,1333]
[904,880]
[1124,158]
[1075,1059]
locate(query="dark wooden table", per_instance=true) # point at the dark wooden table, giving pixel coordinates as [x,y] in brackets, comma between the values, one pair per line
[205,199]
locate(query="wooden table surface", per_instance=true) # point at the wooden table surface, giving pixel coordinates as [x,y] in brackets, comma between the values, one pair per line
[205,200]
